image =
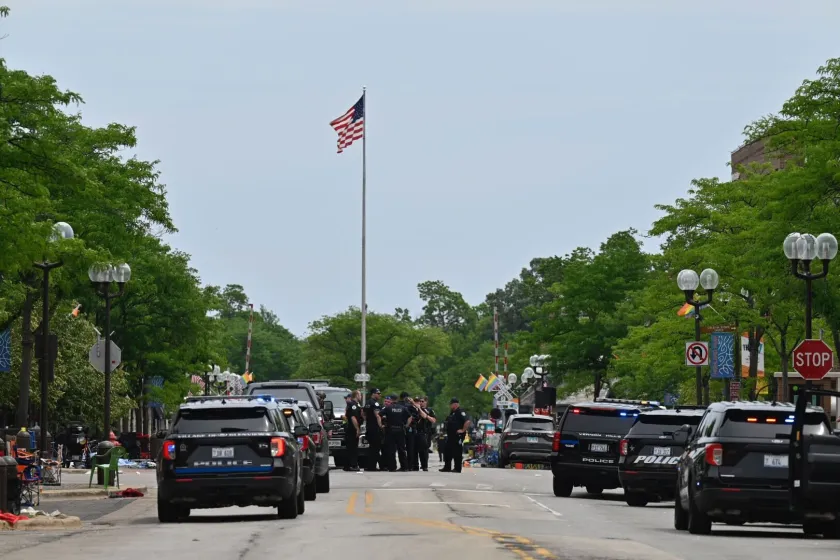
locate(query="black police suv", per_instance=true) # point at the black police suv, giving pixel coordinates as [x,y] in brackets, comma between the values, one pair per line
[650,452]
[321,444]
[299,415]
[735,469]
[585,449]
[226,451]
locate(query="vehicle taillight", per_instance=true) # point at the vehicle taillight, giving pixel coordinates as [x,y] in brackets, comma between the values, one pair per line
[169,450]
[278,447]
[714,454]
[304,443]
[316,438]
[555,443]
[622,447]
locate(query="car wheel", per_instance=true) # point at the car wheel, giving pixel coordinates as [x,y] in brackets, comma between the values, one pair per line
[698,522]
[828,529]
[322,483]
[170,513]
[562,488]
[635,499]
[594,490]
[680,515]
[310,491]
[301,501]
[288,509]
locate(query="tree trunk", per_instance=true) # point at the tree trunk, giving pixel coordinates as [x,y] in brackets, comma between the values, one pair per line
[597,390]
[785,365]
[835,335]
[22,418]
[755,334]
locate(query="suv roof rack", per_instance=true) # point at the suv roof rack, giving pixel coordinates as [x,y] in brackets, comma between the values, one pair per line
[223,398]
[313,382]
[687,407]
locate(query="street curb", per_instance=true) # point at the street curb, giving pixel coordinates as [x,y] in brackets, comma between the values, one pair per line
[42,524]
[88,492]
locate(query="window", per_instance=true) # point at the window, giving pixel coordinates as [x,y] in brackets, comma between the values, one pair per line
[337,398]
[599,420]
[222,420]
[658,424]
[298,393]
[769,424]
[532,425]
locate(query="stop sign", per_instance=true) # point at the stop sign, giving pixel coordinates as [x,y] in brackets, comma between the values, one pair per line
[812,359]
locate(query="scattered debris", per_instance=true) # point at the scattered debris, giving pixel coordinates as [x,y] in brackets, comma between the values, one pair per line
[128,493]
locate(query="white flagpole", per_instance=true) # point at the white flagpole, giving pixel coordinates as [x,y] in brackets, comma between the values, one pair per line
[364,236]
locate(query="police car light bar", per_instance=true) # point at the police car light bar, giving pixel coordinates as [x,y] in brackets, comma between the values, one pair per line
[204,398]
[628,401]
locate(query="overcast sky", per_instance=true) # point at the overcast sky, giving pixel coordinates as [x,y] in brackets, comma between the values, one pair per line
[498,131]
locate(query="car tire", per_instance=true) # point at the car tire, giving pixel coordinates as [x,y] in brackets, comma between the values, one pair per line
[828,529]
[698,522]
[594,490]
[300,501]
[322,483]
[680,515]
[636,499]
[310,491]
[562,488]
[288,508]
[170,513]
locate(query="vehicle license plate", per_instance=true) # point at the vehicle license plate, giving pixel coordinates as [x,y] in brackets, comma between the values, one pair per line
[222,453]
[662,451]
[533,440]
[335,443]
[776,461]
[599,447]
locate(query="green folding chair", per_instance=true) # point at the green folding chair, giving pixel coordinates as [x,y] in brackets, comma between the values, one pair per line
[113,465]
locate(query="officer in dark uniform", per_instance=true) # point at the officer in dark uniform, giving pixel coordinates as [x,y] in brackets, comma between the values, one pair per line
[373,432]
[425,430]
[353,418]
[457,424]
[396,417]
[411,431]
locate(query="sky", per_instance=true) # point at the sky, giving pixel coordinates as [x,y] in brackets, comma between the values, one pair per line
[498,131]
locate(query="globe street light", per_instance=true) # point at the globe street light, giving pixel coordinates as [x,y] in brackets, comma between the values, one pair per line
[61,230]
[688,281]
[102,276]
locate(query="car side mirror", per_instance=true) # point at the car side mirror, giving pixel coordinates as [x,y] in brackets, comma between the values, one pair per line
[329,409]
[313,428]
[300,431]
[162,434]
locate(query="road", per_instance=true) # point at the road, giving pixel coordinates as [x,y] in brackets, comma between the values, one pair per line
[487,514]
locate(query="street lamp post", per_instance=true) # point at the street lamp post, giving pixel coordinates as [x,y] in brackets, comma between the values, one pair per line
[801,249]
[102,277]
[688,281]
[61,230]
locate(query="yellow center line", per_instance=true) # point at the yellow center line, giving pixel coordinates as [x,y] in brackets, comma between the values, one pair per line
[513,543]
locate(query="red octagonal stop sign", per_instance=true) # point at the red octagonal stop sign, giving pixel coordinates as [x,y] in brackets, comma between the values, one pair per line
[813,359]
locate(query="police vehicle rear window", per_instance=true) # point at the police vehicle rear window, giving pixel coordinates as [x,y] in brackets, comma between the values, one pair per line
[220,420]
[603,420]
[767,424]
[532,425]
[661,424]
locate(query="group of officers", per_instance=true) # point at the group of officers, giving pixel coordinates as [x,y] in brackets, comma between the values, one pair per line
[401,428]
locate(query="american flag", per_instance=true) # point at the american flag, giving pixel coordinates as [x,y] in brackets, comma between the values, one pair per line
[351,125]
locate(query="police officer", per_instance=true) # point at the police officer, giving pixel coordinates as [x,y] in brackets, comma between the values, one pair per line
[396,417]
[411,431]
[423,437]
[353,418]
[457,424]
[373,431]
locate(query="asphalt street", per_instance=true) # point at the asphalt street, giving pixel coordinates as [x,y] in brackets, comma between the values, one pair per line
[485,514]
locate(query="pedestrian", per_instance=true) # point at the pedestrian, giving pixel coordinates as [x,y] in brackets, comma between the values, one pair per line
[353,418]
[396,416]
[411,431]
[425,430]
[457,424]
[373,432]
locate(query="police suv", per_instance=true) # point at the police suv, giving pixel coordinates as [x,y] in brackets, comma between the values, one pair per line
[735,470]
[226,451]
[585,449]
[651,451]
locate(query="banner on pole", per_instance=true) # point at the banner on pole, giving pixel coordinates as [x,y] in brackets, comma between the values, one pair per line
[745,356]
[722,355]
[6,350]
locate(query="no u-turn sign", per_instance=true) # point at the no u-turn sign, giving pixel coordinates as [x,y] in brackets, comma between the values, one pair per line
[696,353]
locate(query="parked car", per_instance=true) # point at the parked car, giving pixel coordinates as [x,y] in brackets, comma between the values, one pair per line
[526,438]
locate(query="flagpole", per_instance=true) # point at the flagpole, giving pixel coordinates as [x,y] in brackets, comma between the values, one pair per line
[364,234]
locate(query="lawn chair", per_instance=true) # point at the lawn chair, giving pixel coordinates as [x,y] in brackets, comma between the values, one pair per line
[113,465]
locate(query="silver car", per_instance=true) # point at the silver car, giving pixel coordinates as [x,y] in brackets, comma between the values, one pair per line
[527,438]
